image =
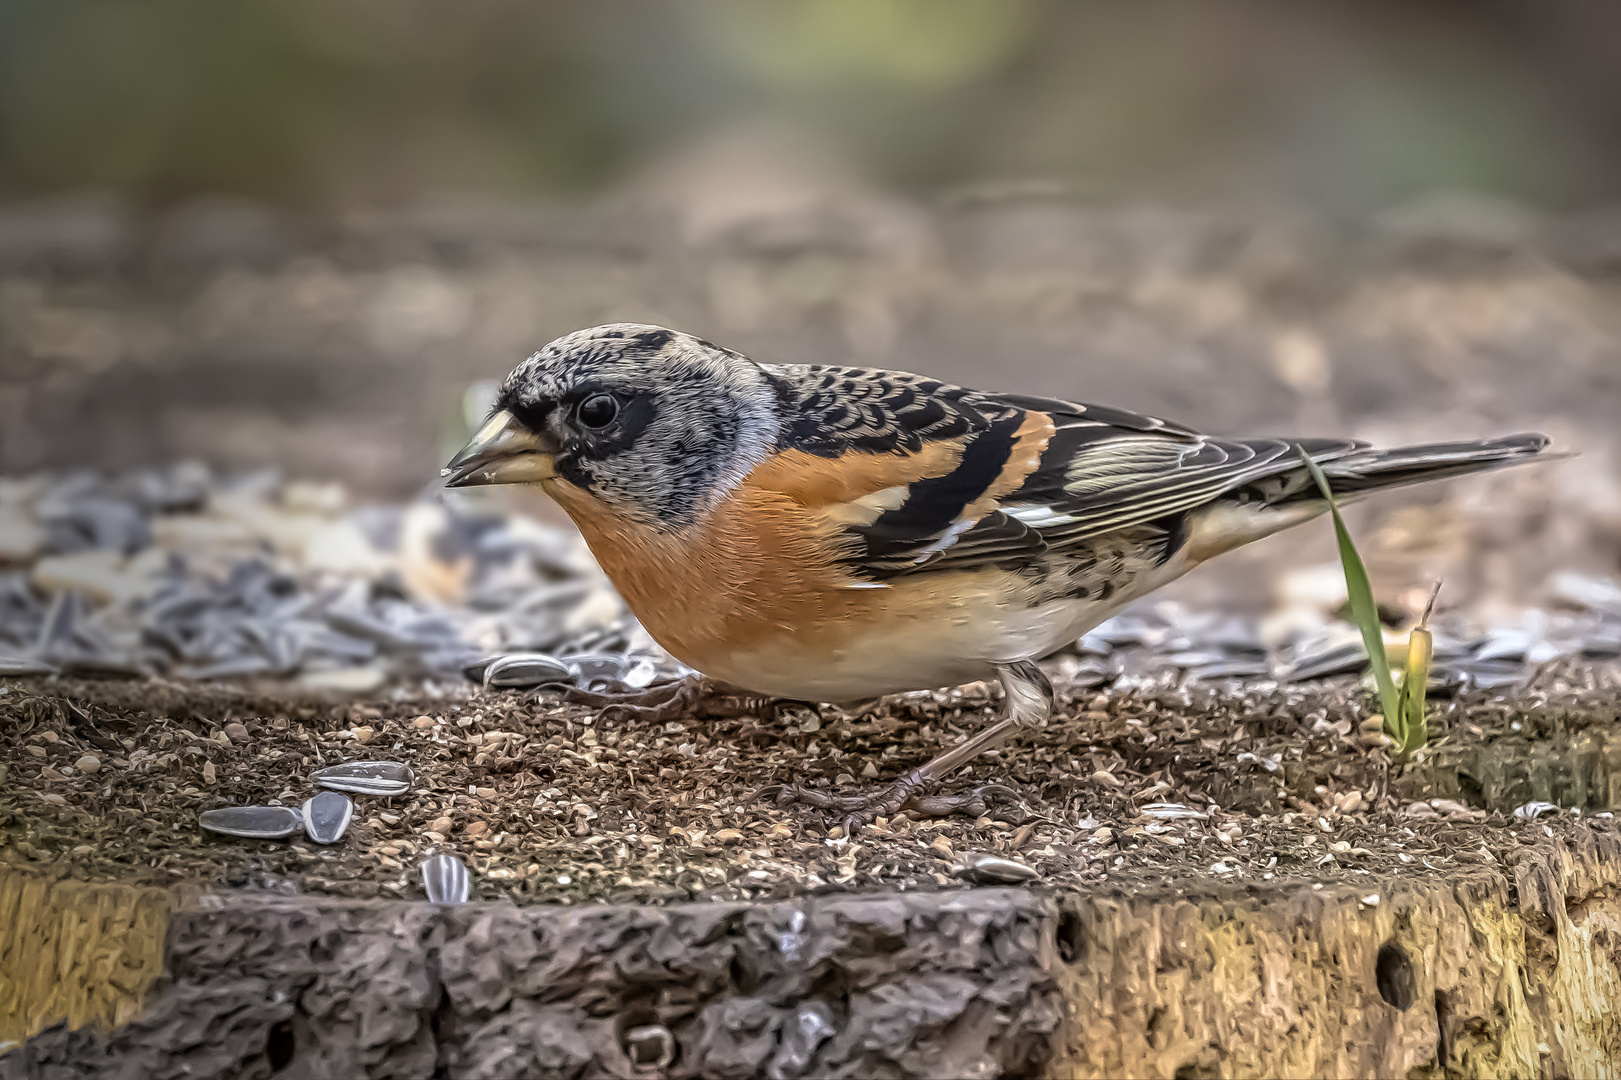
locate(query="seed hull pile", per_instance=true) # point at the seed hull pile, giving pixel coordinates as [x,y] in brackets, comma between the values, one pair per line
[1144,788]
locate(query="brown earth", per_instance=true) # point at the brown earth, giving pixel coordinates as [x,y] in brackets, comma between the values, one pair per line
[534,791]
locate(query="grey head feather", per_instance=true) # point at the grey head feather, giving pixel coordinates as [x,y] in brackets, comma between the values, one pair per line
[693,418]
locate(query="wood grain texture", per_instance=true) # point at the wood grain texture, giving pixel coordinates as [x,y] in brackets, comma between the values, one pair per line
[75,953]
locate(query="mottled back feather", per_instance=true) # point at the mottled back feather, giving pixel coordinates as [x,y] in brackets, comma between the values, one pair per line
[1100,469]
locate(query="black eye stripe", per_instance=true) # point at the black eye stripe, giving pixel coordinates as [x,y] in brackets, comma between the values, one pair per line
[531,415]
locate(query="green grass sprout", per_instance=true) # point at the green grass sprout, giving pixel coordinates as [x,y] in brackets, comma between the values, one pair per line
[1413,731]
[1366,615]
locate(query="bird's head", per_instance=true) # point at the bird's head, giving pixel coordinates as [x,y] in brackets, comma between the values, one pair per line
[657,424]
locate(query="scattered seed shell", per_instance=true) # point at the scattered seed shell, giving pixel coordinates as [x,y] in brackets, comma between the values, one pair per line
[520,670]
[1535,809]
[995,870]
[446,879]
[1169,811]
[327,816]
[25,665]
[253,822]
[366,777]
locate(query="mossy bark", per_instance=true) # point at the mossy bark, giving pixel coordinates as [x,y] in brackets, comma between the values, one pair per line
[1577,769]
[1495,972]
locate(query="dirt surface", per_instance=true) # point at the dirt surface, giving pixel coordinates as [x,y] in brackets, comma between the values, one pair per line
[1147,788]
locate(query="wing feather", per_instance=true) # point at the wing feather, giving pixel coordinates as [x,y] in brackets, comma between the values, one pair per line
[1026,474]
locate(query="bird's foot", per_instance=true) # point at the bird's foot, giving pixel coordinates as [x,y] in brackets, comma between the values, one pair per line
[673,700]
[910,794]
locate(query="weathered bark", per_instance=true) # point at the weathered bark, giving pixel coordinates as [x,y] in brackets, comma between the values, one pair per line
[956,984]
[1493,972]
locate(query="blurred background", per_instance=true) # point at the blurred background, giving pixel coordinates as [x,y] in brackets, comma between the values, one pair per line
[291,234]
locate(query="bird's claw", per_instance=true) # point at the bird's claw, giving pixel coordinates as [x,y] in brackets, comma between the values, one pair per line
[672,700]
[656,703]
[970,802]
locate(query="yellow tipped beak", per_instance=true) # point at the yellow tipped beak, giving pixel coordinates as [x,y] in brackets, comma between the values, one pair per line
[503,452]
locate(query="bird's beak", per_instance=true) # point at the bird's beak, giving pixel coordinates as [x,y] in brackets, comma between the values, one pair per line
[503,452]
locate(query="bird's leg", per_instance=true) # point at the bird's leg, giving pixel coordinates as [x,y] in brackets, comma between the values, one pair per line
[672,700]
[1028,701]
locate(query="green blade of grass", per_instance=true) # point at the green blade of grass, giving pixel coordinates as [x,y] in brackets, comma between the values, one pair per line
[1363,609]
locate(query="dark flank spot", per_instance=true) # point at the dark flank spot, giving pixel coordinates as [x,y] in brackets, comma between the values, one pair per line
[653,340]
[1176,534]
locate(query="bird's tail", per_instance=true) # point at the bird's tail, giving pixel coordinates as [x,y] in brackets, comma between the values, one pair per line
[1287,495]
[1354,469]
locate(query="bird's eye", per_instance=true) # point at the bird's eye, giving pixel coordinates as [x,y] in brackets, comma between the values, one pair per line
[598,411]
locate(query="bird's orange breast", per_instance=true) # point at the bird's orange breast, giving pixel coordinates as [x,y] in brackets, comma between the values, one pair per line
[764,568]
[759,565]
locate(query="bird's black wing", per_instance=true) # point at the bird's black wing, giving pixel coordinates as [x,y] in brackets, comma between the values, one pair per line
[1008,476]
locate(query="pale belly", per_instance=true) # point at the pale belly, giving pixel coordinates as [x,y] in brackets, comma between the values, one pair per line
[894,655]
[938,630]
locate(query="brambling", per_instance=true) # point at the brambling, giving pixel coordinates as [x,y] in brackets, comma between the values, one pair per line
[836,533]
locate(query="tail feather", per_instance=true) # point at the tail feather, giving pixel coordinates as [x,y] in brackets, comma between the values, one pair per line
[1354,468]
[1366,470]
[1289,496]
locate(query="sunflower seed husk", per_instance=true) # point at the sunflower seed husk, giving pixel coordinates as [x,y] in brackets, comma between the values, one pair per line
[595,670]
[230,668]
[1092,645]
[1533,810]
[1246,667]
[366,777]
[521,670]
[811,1025]
[1508,643]
[327,817]
[1091,671]
[25,665]
[1337,651]
[1169,811]
[1493,674]
[1602,641]
[446,879]
[1128,629]
[253,822]
[1193,658]
[995,870]
[1595,594]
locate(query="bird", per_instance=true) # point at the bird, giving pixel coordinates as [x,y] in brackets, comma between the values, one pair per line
[834,534]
